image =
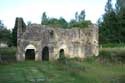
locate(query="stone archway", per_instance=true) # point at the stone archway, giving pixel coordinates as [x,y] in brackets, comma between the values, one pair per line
[45,54]
[30,52]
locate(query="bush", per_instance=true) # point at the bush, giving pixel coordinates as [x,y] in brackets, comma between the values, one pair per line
[8,51]
[112,55]
[7,55]
[113,45]
[90,59]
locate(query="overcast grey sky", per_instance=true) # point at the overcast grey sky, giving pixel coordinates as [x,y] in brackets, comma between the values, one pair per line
[31,10]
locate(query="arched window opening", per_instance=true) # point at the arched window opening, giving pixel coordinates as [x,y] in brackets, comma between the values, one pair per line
[45,54]
[61,54]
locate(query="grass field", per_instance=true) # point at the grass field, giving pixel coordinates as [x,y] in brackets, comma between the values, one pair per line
[91,70]
[54,72]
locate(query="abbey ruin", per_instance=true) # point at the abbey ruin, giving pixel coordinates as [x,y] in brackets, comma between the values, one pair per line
[39,42]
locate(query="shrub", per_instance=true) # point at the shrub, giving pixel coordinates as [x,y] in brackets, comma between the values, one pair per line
[7,55]
[113,45]
[8,51]
[90,59]
[112,55]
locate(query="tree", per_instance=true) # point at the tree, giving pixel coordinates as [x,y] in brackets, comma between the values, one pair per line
[76,17]
[5,34]
[112,23]
[107,25]
[63,23]
[53,22]
[14,33]
[120,6]
[120,11]
[44,19]
[73,23]
[82,16]
[1,24]
[108,6]
[29,23]
[79,20]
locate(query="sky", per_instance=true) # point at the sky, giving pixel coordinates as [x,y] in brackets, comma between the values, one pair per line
[31,10]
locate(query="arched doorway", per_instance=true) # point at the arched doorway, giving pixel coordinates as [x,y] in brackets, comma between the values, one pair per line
[30,54]
[45,54]
[61,54]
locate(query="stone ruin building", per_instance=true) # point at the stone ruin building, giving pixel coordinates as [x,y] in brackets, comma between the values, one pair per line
[39,42]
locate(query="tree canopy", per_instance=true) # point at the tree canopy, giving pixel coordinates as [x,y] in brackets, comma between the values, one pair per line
[5,34]
[112,23]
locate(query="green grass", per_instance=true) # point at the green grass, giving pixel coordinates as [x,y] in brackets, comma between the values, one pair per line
[54,72]
[75,71]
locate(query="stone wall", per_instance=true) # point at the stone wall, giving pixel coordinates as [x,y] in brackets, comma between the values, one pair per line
[75,42]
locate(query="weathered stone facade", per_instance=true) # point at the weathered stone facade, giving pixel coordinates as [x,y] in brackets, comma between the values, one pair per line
[74,42]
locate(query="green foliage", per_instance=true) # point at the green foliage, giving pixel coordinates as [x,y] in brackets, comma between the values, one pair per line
[115,55]
[54,22]
[14,36]
[44,19]
[14,33]
[1,24]
[90,59]
[112,45]
[79,21]
[29,23]
[61,22]
[81,24]
[108,6]
[5,35]
[82,16]
[112,23]
[8,51]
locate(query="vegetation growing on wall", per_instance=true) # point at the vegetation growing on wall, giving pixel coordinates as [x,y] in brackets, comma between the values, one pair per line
[79,21]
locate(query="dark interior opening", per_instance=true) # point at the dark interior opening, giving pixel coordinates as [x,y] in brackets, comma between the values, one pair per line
[45,54]
[61,54]
[30,54]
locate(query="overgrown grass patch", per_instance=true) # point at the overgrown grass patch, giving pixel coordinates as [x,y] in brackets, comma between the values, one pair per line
[55,72]
[89,70]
